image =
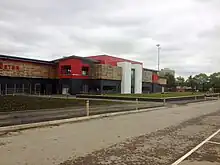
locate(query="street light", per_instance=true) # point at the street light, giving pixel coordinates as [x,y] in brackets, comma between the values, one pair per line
[158,56]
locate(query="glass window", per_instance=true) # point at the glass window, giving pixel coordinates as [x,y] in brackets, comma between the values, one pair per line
[66,69]
[85,71]
[132,77]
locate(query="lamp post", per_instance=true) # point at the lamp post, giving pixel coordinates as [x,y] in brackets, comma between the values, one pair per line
[158,56]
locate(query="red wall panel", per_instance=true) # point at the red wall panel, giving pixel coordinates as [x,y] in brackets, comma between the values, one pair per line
[76,68]
[155,78]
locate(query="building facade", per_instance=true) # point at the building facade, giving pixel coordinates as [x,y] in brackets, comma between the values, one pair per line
[165,71]
[96,74]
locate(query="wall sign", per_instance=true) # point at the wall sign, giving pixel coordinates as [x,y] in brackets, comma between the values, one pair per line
[9,67]
[76,74]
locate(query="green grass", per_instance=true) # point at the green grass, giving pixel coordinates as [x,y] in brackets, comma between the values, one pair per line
[157,95]
[20,103]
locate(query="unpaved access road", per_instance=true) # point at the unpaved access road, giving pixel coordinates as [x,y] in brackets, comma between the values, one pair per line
[41,115]
[154,138]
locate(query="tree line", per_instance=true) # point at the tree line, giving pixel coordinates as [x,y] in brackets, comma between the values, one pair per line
[201,82]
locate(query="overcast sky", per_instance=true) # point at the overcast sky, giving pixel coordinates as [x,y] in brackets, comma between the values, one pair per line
[188,31]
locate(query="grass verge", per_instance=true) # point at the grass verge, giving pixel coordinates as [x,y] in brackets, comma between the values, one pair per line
[20,103]
[157,95]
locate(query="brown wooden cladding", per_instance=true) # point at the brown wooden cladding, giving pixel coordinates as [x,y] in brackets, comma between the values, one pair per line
[107,72]
[26,69]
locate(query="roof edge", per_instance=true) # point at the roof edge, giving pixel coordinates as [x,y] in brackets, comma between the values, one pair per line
[74,56]
[115,57]
[8,57]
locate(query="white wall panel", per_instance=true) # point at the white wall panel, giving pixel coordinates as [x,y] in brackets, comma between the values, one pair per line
[126,77]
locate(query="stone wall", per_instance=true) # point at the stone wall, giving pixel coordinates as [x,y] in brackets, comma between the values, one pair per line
[106,72]
[27,69]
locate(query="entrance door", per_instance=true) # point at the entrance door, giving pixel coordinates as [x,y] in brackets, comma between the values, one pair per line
[37,88]
[65,91]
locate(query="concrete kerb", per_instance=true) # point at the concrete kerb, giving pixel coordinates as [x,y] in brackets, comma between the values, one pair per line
[71,120]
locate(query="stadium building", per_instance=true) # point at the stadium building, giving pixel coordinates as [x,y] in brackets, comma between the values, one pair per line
[95,74]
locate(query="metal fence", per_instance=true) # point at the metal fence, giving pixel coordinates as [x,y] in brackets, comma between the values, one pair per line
[11,89]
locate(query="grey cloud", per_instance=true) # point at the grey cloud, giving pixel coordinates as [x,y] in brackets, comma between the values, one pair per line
[117,46]
[49,29]
[213,33]
[21,34]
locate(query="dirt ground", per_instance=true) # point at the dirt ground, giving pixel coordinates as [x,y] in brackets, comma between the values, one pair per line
[208,154]
[154,138]
[161,147]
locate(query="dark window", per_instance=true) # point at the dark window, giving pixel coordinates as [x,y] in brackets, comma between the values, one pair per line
[109,89]
[66,69]
[132,77]
[85,71]
[146,89]
[132,80]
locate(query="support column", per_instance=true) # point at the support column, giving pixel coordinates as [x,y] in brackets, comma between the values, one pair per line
[6,89]
[126,77]
[101,87]
[138,78]
[14,89]
[23,88]
[30,89]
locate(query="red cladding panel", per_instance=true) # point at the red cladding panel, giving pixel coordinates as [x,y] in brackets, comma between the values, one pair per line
[155,78]
[76,68]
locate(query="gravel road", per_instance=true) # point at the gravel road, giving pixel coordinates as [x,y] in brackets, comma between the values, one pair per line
[155,138]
